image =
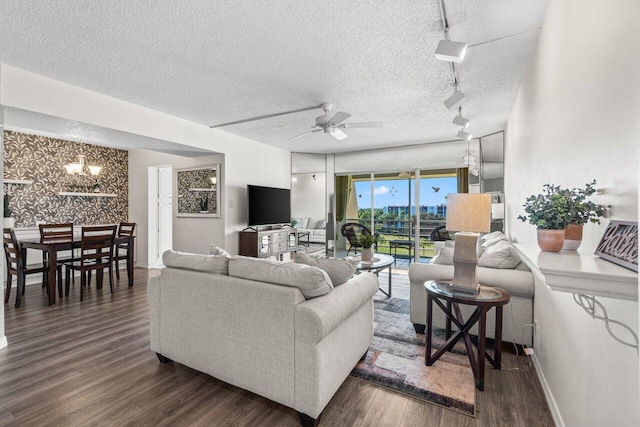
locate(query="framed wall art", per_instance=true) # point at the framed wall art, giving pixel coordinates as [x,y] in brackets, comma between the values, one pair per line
[619,244]
[199,192]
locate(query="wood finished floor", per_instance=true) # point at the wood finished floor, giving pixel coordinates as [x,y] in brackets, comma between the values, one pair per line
[89,363]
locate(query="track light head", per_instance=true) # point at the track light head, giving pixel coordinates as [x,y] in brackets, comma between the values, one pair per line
[464,135]
[461,121]
[454,100]
[451,51]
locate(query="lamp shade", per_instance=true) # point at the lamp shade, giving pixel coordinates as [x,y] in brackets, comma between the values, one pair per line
[497,211]
[469,212]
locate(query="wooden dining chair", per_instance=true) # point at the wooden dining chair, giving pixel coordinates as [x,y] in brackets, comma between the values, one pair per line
[49,232]
[96,254]
[125,230]
[17,266]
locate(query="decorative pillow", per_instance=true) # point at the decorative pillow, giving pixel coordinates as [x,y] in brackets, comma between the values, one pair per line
[492,241]
[339,270]
[300,223]
[490,236]
[500,255]
[208,263]
[322,224]
[312,281]
[215,250]
[445,255]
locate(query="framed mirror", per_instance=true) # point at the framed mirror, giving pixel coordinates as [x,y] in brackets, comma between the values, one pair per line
[199,192]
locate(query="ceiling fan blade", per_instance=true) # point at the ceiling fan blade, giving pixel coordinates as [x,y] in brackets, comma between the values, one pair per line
[304,134]
[338,134]
[339,117]
[362,125]
[296,126]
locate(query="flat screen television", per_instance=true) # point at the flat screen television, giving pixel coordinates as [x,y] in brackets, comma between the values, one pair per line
[268,205]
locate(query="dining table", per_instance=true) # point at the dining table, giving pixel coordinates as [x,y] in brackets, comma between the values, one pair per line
[52,247]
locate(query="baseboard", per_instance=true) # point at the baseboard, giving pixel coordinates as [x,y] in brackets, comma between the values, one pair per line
[3,342]
[553,407]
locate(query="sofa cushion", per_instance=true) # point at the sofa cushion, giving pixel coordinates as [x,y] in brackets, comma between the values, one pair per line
[500,255]
[490,236]
[300,223]
[339,270]
[445,255]
[215,250]
[493,240]
[312,281]
[207,263]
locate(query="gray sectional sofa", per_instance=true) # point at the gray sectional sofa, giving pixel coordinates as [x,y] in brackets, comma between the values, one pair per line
[517,280]
[280,330]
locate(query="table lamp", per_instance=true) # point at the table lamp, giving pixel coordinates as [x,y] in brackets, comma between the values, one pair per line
[469,215]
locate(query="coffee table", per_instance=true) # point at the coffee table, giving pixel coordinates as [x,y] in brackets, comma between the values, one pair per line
[486,298]
[378,263]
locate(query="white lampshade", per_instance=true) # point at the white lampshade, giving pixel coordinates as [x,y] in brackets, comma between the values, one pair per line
[95,170]
[497,211]
[213,180]
[469,212]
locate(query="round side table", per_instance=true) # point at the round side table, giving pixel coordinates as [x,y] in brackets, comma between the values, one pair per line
[487,298]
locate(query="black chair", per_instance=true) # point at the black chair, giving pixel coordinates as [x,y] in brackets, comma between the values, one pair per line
[17,265]
[125,230]
[440,234]
[352,232]
[96,254]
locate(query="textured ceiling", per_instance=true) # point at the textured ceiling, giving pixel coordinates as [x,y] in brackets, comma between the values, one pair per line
[218,62]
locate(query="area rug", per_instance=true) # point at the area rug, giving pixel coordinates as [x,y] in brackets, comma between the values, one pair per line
[395,360]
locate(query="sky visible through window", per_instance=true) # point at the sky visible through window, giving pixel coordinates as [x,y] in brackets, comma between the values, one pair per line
[395,192]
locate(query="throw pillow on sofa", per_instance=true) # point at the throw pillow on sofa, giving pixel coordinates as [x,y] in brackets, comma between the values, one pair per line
[445,255]
[312,281]
[300,223]
[215,250]
[339,270]
[500,255]
[207,263]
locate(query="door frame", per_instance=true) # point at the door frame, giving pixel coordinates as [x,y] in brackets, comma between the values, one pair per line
[152,220]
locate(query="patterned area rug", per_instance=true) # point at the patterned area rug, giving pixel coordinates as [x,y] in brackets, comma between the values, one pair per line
[396,360]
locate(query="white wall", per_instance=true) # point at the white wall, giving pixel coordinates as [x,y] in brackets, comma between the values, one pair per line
[189,234]
[307,197]
[576,117]
[246,161]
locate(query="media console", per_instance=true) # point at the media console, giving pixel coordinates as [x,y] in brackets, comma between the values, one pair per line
[268,243]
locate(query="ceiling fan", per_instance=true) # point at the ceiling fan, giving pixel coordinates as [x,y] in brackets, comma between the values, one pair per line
[333,125]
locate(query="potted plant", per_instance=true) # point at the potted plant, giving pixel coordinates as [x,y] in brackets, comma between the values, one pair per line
[549,212]
[581,211]
[204,204]
[368,240]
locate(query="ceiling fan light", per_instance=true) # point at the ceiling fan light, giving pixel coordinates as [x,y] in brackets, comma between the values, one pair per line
[461,121]
[451,51]
[454,100]
[464,135]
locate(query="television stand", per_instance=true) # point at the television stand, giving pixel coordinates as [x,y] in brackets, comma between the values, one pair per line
[268,243]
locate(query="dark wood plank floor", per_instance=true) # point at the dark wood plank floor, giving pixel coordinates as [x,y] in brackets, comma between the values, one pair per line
[89,363]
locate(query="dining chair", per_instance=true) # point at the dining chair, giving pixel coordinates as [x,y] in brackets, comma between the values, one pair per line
[49,232]
[96,254]
[17,265]
[125,230]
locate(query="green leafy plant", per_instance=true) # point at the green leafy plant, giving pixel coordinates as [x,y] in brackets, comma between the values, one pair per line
[549,210]
[204,203]
[582,210]
[368,240]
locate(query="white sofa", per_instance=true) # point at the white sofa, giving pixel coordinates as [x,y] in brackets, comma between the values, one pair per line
[209,313]
[315,227]
[517,314]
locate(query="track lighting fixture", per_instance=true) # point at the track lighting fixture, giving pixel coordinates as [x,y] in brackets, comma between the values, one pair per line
[454,100]
[451,51]
[461,121]
[464,135]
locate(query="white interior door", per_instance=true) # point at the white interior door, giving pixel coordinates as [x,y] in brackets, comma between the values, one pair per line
[165,210]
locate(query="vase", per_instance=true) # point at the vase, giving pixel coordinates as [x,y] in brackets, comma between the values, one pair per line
[550,240]
[367,254]
[572,237]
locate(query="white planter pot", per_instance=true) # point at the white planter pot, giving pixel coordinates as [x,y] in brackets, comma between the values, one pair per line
[367,254]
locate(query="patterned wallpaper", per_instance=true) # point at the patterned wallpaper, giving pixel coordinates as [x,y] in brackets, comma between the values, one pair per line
[42,160]
[188,200]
